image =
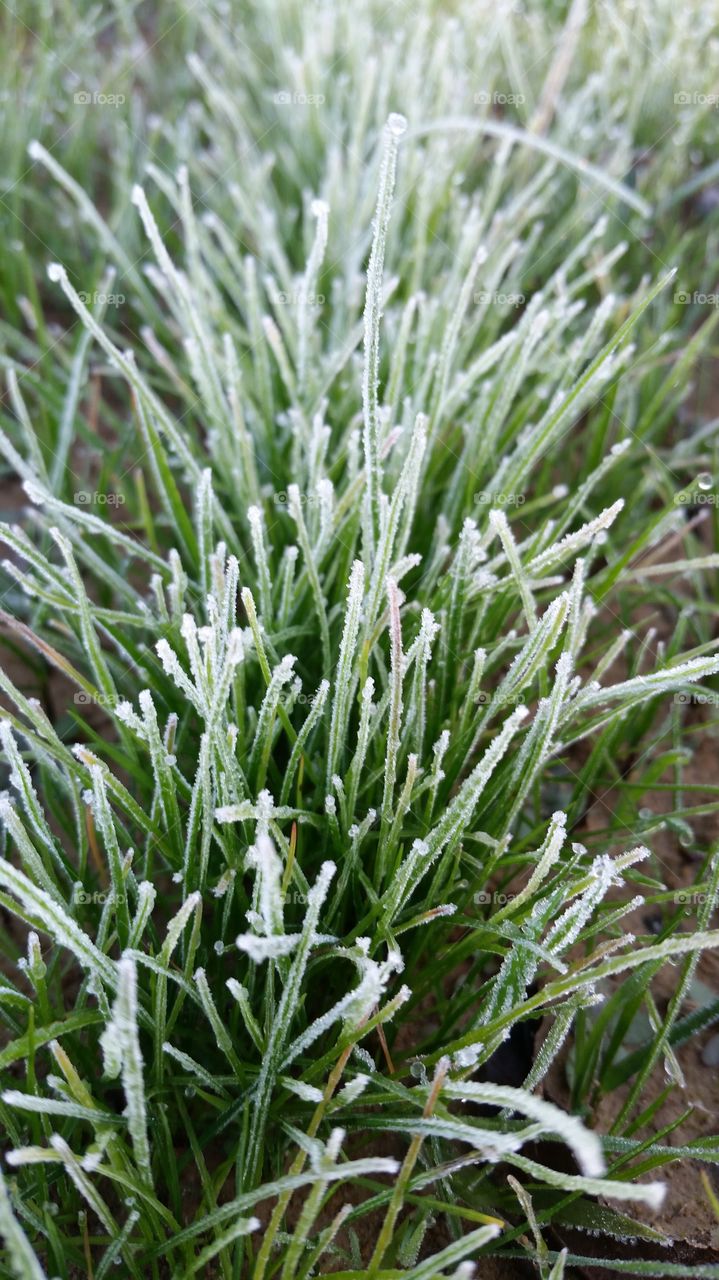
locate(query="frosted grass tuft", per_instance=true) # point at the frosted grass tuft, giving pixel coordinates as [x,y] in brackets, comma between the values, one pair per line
[349,625]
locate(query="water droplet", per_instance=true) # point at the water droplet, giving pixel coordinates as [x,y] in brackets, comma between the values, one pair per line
[710,1053]
[705,480]
[646,814]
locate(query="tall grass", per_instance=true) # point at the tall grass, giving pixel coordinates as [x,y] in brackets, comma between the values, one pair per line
[344,398]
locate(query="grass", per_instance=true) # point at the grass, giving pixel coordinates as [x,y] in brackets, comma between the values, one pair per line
[358,383]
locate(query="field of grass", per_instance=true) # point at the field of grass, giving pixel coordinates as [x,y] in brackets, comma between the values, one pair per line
[358,639]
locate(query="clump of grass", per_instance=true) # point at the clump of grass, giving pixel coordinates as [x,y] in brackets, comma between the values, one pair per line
[354,574]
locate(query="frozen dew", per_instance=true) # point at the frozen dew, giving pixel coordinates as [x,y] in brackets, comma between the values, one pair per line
[397,124]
